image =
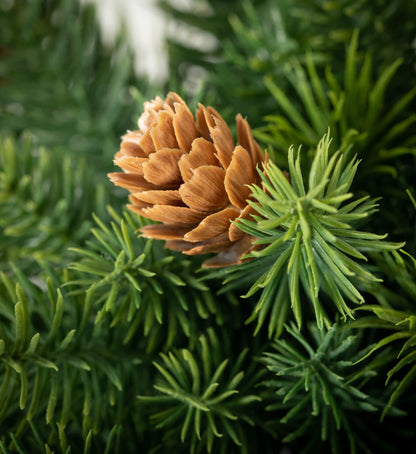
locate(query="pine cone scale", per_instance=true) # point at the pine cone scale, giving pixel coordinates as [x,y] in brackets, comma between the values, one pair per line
[184,126]
[131,146]
[146,143]
[166,159]
[163,132]
[173,214]
[131,164]
[223,141]
[204,122]
[160,197]
[246,140]
[202,153]
[205,191]
[213,225]
[132,182]
[217,243]
[240,173]
[167,232]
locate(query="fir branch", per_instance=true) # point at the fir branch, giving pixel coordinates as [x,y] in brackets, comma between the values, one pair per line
[258,38]
[138,281]
[397,315]
[403,327]
[367,116]
[311,391]
[306,239]
[357,111]
[206,394]
[35,440]
[55,365]
[45,201]
[398,290]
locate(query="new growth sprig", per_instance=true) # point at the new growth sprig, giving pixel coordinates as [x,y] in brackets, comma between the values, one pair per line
[308,245]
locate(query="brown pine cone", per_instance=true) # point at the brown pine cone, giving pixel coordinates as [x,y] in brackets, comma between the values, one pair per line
[191,177]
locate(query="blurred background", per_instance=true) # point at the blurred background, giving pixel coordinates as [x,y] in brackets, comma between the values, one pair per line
[146,29]
[73,78]
[228,46]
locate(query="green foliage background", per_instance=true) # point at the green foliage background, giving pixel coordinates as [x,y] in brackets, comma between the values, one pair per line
[111,343]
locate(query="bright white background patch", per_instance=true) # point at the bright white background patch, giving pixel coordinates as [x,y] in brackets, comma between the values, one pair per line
[147,28]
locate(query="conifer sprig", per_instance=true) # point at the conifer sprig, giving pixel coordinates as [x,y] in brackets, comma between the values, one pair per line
[308,240]
[207,394]
[35,441]
[402,339]
[60,81]
[46,346]
[64,379]
[312,390]
[136,280]
[258,38]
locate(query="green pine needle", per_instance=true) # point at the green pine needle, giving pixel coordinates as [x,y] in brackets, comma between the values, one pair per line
[49,350]
[357,110]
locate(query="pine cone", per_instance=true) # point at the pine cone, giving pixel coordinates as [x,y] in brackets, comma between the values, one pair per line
[191,177]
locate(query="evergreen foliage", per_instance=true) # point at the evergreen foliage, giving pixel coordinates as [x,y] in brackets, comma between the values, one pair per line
[46,200]
[204,391]
[312,388]
[109,342]
[356,111]
[395,315]
[50,350]
[134,281]
[361,118]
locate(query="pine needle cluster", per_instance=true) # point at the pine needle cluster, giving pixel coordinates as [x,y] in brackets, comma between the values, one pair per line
[140,283]
[206,393]
[307,240]
[315,390]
